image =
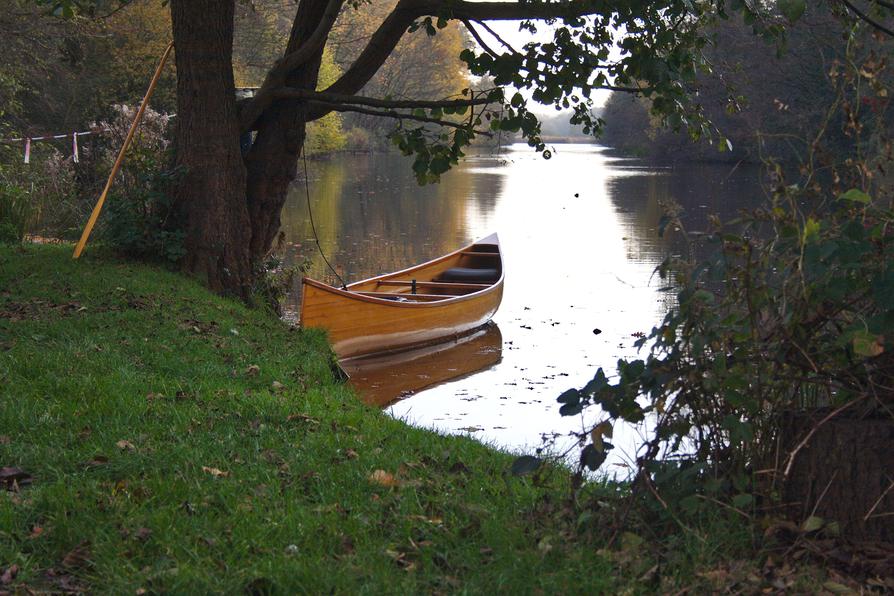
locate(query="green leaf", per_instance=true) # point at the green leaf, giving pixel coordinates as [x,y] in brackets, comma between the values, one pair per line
[526,464]
[867,344]
[856,195]
[811,229]
[572,396]
[812,524]
[792,9]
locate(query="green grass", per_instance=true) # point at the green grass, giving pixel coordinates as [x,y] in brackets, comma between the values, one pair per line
[162,460]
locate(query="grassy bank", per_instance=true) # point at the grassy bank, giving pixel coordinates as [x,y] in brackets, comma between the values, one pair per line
[167,440]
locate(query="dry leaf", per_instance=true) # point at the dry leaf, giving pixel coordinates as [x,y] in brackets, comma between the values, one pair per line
[125,445]
[143,534]
[36,532]
[98,460]
[303,418]
[13,478]
[277,386]
[78,557]
[351,454]
[383,478]
[215,472]
[253,370]
[9,574]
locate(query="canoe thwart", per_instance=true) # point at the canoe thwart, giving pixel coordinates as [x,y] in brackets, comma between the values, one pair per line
[395,296]
[434,284]
[477,253]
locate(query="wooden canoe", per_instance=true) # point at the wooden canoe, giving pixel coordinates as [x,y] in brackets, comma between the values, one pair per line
[449,296]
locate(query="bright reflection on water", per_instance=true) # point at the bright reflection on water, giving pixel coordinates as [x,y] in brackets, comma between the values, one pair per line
[580,245]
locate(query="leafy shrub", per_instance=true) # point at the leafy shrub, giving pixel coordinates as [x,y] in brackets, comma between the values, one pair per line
[792,311]
[138,217]
[16,212]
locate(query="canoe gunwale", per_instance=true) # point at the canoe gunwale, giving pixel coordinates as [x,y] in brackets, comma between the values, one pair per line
[349,295]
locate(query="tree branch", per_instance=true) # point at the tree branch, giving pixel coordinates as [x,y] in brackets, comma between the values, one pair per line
[865,17]
[478,39]
[496,36]
[336,98]
[389,33]
[276,78]
[340,107]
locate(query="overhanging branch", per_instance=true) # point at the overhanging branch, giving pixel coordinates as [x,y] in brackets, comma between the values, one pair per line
[389,33]
[276,78]
[341,107]
[336,98]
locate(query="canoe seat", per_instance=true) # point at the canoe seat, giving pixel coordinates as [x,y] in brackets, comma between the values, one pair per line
[469,275]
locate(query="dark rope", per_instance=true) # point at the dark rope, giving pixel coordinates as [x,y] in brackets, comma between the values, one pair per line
[312,226]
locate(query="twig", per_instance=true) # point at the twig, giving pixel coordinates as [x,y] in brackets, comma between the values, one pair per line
[648,482]
[878,502]
[727,505]
[823,494]
[805,440]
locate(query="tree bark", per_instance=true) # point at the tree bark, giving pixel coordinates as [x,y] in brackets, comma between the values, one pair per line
[211,194]
[273,160]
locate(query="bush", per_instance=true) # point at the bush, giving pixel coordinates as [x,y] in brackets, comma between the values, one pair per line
[138,218]
[791,312]
[16,212]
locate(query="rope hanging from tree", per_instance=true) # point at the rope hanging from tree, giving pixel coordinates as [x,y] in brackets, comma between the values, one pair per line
[312,226]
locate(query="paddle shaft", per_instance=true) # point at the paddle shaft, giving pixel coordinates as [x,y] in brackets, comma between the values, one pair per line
[130,134]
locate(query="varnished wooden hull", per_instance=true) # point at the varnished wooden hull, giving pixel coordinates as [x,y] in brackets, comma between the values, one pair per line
[384,313]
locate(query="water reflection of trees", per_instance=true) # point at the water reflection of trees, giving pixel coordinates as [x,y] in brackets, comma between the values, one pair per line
[701,190]
[372,217]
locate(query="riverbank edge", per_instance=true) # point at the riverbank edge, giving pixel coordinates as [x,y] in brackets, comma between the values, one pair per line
[168,440]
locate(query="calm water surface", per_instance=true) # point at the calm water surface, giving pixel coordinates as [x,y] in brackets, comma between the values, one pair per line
[580,245]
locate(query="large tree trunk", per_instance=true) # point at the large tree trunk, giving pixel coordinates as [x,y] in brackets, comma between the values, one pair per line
[211,194]
[273,160]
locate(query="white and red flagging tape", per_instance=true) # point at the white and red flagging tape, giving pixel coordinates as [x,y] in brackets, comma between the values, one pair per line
[74,142]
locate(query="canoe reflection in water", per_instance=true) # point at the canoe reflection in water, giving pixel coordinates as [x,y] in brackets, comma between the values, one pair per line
[382,379]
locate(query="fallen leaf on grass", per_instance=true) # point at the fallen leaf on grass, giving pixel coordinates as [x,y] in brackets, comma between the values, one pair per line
[98,460]
[253,370]
[5,440]
[143,534]
[9,574]
[351,454]
[13,478]
[277,386]
[125,445]
[36,532]
[347,545]
[435,521]
[383,478]
[302,418]
[459,468]
[401,559]
[77,557]
[215,472]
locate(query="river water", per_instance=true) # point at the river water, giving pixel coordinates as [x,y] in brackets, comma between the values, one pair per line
[580,244]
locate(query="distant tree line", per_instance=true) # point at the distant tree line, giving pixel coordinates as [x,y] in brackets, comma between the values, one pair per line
[763,99]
